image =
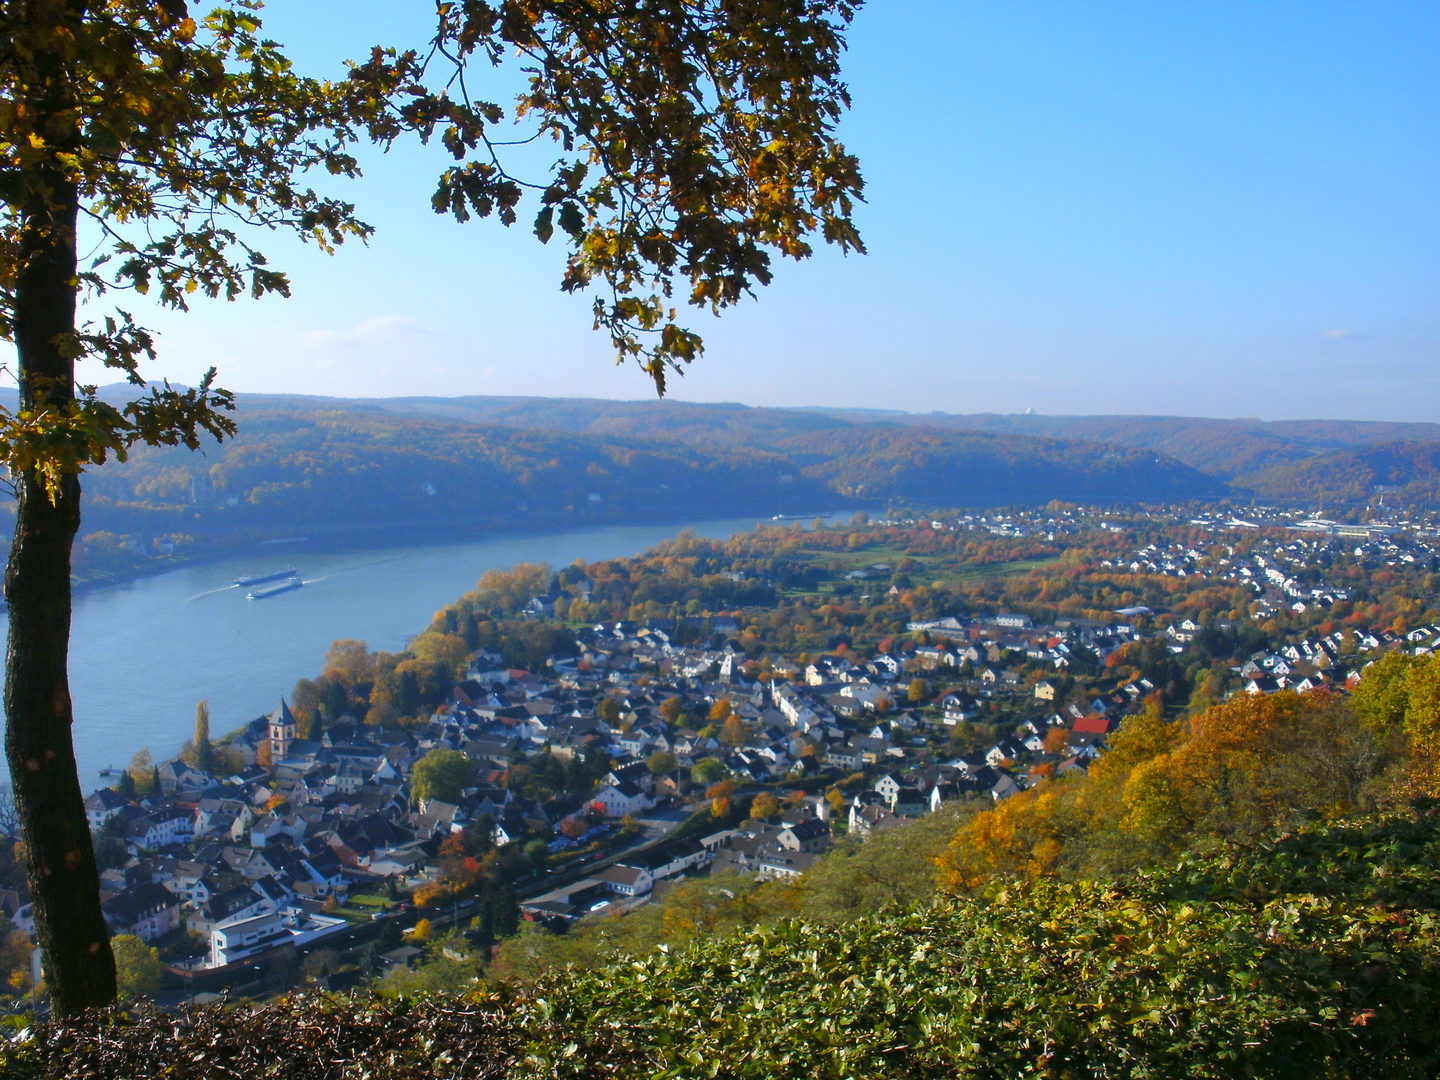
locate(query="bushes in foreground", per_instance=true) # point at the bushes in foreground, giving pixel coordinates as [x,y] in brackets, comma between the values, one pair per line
[1313,956]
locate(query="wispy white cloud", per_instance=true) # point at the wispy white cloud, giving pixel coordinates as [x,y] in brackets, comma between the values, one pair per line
[371,331]
[1339,333]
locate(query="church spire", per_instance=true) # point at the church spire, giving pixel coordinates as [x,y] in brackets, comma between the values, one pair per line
[282,733]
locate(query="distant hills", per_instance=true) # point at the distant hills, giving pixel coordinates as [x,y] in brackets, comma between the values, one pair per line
[332,471]
[1402,473]
[336,466]
[934,467]
[320,466]
[1235,451]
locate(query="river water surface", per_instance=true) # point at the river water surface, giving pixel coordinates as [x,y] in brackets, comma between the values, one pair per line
[143,653]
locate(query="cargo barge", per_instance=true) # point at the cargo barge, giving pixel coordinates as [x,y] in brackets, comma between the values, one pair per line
[275,590]
[262,579]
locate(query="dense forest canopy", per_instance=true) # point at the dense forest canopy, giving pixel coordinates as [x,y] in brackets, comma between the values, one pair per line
[1229,449]
[1249,456]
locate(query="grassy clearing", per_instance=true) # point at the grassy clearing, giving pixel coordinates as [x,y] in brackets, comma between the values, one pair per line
[928,574]
[1008,569]
[359,907]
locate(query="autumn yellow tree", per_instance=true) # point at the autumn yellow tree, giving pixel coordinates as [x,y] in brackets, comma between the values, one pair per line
[734,732]
[447,649]
[1247,765]
[764,806]
[1399,699]
[1422,708]
[1235,770]
[1021,835]
[137,967]
[1382,698]
[351,662]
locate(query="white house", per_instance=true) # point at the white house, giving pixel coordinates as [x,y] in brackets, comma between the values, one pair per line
[101,806]
[627,880]
[621,799]
[887,786]
[160,828]
[245,937]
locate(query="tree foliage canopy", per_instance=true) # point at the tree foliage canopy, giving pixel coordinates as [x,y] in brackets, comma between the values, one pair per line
[693,139]
[137,967]
[170,136]
[1231,773]
[441,774]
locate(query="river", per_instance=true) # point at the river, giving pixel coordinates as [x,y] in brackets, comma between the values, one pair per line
[144,652]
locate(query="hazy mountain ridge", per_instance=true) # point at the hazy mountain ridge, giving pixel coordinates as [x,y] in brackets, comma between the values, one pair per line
[683,421]
[1233,450]
[318,466]
[321,467]
[286,459]
[332,470]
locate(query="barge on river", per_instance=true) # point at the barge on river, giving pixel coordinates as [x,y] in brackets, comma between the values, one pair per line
[264,579]
[275,590]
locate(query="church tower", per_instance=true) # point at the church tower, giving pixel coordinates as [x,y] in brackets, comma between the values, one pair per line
[282,733]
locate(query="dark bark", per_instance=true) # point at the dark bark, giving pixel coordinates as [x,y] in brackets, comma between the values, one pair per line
[64,879]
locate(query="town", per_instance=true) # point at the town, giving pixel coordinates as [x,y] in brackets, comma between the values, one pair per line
[330,839]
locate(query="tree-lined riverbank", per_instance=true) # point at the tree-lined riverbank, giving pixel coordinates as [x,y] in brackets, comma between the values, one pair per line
[145,651]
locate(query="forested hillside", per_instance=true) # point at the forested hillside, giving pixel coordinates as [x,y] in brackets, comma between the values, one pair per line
[950,468]
[355,469]
[667,418]
[1233,450]
[325,468]
[1228,449]
[1402,473]
[361,471]
[1242,452]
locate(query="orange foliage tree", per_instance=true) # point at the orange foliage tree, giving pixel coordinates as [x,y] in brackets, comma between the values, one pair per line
[1235,770]
[1247,765]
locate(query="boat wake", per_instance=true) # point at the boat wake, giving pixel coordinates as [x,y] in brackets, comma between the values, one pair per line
[210,592]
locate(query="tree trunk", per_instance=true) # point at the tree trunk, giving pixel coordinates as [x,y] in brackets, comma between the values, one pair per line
[64,879]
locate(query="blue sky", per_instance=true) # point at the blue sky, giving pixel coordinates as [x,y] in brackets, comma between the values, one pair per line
[1223,209]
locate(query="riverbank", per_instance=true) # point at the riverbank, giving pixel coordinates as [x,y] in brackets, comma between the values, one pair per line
[144,651]
[362,538]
